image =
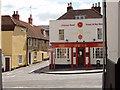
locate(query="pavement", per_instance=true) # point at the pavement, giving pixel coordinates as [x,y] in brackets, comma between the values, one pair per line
[84,70]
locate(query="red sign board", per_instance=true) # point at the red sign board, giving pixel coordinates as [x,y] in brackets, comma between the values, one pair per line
[83,44]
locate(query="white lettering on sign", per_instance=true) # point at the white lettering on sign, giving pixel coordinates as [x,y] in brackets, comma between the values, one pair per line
[93,24]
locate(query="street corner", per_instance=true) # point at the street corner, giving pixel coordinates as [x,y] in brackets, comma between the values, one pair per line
[67,71]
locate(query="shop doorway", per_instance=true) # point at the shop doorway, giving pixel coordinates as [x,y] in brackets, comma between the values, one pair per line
[81,56]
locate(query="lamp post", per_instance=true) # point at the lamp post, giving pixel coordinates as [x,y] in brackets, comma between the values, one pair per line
[105,43]
[1,88]
[1,70]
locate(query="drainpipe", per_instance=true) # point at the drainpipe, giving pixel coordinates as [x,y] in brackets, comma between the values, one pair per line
[27,47]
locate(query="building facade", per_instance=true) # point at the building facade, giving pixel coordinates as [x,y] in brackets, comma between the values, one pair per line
[77,39]
[13,43]
[22,42]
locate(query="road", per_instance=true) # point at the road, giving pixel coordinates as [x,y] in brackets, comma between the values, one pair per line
[23,78]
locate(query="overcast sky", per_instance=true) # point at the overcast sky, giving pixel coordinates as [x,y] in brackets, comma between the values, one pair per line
[43,10]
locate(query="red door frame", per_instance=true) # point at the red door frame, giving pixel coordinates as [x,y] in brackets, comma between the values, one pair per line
[76,56]
[52,66]
[72,58]
[84,56]
[89,64]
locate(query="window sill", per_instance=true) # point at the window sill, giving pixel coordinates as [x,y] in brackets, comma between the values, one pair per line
[35,59]
[20,63]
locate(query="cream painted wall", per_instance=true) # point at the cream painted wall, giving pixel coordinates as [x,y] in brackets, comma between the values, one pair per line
[18,46]
[39,56]
[7,43]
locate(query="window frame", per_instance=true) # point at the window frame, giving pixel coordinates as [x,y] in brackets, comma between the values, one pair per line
[30,42]
[61,34]
[35,55]
[99,34]
[62,53]
[20,57]
[80,17]
[99,53]
[35,43]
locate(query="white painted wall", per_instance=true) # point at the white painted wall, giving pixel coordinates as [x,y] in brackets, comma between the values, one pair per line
[89,32]
[113,33]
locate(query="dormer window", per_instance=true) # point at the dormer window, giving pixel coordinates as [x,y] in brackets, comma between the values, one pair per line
[80,17]
[43,32]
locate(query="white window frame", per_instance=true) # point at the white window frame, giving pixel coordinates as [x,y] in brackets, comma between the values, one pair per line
[58,54]
[99,33]
[20,59]
[99,53]
[44,32]
[35,55]
[61,34]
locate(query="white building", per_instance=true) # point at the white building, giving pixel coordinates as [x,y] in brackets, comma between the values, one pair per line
[112,72]
[77,38]
[113,30]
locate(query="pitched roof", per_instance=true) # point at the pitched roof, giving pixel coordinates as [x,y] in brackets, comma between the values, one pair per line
[89,13]
[8,23]
[45,27]
[34,31]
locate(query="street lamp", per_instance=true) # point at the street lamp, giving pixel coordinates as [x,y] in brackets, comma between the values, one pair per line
[104,43]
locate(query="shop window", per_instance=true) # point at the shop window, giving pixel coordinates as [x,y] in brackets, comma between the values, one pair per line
[20,59]
[99,33]
[74,54]
[62,53]
[99,52]
[68,53]
[61,34]
[35,55]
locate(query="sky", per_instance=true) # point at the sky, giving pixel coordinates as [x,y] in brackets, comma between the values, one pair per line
[43,10]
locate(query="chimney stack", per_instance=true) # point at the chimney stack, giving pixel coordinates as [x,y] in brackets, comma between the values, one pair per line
[30,20]
[97,7]
[69,7]
[16,15]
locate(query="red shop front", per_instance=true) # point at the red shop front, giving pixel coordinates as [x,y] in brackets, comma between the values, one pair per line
[82,50]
